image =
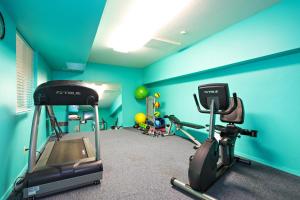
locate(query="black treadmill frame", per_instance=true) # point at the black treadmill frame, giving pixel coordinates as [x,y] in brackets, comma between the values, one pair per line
[64,177]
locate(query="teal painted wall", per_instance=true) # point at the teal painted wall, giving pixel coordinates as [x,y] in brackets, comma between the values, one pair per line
[61,116]
[43,70]
[128,78]
[116,111]
[260,59]
[15,129]
[106,114]
[269,91]
[271,31]
[7,107]
[118,115]
[116,104]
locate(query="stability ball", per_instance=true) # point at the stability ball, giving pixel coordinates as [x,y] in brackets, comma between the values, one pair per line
[141,92]
[140,118]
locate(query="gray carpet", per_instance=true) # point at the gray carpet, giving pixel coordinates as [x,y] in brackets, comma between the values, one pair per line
[137,166]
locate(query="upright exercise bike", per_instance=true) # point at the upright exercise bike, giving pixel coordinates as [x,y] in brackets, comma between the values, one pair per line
[214,156]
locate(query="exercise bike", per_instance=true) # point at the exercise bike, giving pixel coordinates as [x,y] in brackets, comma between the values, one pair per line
[179,126]
[214,157]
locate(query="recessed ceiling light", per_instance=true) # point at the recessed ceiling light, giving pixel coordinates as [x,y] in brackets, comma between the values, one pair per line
[143,20]
[183,32]
[75,66]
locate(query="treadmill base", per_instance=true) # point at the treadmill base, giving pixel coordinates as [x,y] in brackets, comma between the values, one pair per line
[62,185]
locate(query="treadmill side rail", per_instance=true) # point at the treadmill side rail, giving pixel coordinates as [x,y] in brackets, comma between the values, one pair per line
[42,162]
[88,147]
[97,137]
[33,139]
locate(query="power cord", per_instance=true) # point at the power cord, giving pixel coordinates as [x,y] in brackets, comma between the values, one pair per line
[18,180]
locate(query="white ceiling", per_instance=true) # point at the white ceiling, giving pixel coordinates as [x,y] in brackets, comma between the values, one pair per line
[200,19]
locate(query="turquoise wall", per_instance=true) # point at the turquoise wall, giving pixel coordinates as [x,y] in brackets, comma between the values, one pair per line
[128,78]
[15,129]
[116,111]
[271,31]
[269,91]
[61,116]
[116,104]
[106,114]
[260,59]
[118,115]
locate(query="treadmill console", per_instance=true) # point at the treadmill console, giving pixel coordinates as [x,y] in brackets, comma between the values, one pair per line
[65,93]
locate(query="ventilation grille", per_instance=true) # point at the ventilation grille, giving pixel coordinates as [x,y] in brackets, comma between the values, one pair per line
[162,44]
[73,66]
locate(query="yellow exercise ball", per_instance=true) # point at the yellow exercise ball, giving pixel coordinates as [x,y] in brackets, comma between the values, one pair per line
[140,118]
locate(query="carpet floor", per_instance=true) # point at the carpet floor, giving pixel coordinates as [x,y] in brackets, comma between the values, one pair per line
[139,167]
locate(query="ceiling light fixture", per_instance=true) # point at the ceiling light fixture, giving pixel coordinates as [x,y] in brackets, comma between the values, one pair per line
[73,66]
[143,20]
[183,32]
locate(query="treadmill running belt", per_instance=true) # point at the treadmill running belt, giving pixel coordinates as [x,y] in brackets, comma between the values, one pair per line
[67,151]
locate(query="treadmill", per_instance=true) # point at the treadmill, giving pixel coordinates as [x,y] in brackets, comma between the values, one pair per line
[66,162]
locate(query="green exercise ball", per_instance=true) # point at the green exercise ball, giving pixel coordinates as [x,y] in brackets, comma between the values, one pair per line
[141,92]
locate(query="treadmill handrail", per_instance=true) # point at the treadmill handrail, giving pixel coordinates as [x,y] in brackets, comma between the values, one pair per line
[53,121]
